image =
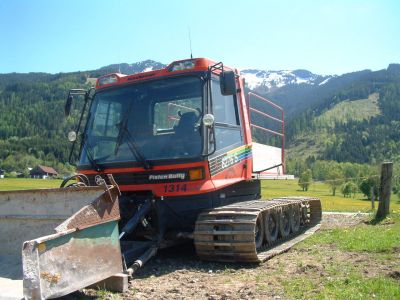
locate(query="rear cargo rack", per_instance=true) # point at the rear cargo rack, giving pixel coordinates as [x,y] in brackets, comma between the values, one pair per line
[269,161]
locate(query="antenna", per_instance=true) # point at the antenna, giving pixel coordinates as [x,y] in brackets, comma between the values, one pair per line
[119,61]
[190,43]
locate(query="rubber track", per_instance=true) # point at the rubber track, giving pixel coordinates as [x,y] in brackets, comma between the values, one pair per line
[227,233]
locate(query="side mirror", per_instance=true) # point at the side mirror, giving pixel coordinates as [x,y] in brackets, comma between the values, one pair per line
[228,83]
[68,104]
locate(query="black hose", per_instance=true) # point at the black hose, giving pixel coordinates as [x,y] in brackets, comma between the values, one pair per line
[134,221]
[152,251]
[83,181]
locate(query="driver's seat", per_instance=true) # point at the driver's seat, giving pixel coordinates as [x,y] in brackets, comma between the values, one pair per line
[186,125]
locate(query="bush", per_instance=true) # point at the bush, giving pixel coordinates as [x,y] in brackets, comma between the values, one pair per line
[396,189]
[12,174]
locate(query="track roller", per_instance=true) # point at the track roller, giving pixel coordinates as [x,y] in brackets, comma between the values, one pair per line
[295,218]
[271,225]
[285,221]
[259,232]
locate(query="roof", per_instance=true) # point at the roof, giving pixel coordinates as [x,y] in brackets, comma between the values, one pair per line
[48,170]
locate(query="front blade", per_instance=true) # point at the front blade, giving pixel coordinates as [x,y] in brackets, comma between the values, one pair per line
[84,251]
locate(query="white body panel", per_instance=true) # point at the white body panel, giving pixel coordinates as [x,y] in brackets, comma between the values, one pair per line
[265,157]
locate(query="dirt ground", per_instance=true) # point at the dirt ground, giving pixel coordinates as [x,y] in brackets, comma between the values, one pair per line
[176,273]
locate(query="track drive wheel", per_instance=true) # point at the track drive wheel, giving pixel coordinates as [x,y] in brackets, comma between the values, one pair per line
[284,222]
[271,226]
[259,233]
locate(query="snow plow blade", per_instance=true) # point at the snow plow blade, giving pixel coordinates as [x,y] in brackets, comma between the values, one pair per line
[82,250]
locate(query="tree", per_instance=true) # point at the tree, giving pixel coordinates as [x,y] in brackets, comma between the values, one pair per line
[335,179]
[349,188]
[368,184]
[305,179]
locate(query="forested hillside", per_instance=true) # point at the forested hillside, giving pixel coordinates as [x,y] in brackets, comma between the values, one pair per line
[360,123]
[32,124]
[33,128]
[354,117]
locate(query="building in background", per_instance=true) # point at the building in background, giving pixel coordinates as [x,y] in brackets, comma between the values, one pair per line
[43,172]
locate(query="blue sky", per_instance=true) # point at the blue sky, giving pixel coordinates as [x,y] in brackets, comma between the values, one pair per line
[325,37]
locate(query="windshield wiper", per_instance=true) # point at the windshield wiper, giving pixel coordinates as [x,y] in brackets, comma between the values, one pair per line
[131,144]
[89,155]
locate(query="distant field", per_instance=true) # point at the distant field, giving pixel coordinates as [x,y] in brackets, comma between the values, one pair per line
[357,110]
[314,143]
[8,184]
[279,188]
[270,189]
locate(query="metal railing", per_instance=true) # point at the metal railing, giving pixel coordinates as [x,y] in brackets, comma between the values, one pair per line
[280,120]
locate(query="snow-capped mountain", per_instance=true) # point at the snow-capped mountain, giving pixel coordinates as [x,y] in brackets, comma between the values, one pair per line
[138,67]
[264,81]
[261,81]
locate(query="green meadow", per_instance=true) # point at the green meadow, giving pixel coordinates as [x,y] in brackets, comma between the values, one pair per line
[279,188]
[12,184]
[270,189]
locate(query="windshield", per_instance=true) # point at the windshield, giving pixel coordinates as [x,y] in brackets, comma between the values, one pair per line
[159,119]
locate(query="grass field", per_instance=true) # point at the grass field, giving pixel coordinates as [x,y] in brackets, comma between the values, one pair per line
[12,184]
[360,262]
[279,188]
[270,189]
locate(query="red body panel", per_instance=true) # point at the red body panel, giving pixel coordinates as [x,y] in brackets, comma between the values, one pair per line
[210,183]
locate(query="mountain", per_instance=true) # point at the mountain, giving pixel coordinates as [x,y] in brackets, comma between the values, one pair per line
[359,122]
[296,97]
[264,81]
[124,68]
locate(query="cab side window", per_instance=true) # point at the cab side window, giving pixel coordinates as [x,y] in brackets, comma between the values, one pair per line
[227,122]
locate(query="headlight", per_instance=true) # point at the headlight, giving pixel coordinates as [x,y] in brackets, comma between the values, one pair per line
[109,79]
[182,65]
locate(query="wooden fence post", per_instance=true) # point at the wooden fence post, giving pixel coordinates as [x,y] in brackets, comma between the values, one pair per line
[385,190]
[372,197]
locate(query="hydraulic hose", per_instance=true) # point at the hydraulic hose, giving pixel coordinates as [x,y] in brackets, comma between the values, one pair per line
[134,221]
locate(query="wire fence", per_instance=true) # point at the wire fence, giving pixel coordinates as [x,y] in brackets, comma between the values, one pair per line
[340,180]
[395,179]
